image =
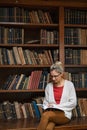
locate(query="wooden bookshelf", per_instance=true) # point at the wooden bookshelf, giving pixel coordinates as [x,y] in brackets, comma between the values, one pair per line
[48,31]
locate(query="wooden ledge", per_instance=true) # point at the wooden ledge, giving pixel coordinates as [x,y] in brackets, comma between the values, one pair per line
[29,124]
[74,124]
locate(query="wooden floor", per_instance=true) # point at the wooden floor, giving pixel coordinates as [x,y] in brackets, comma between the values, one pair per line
[27,124]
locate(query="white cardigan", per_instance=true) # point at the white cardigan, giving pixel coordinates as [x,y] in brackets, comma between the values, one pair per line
[68,100]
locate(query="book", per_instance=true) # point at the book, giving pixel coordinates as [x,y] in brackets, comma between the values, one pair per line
[18,111]
[31,110]
[36,79]
[13,82]
[16,55]
[2,112]
[33,41]
[35,107]
[24,111]
[10,57]
[27,52]
[7,110]
[8,81]
[14,115]
[39,102]
[19,86]
[21,55]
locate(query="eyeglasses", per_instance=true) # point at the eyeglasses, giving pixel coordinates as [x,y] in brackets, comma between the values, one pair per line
[55,76]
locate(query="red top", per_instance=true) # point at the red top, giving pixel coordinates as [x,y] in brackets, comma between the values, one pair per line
[57,93]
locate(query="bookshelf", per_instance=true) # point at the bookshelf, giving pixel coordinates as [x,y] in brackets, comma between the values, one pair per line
[35,34]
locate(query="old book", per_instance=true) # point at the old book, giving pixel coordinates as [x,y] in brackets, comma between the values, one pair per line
[36,79]
[41,16]
[33,57]
[74,113]
[5,56]
[17,108]
[39,101]
[14,115]
[28,56]
[27,110]
[16,82]
[31,110]
[19,81]
[8,81]
[7,110]
[35,107]
[85,105]
[50,56]
[81,106]
[2,112]
[47,55]
[10,56]
[20,86]
[1,57]
[21,54]
[13,82]
[35,16]
[26,82]
[24,111]
[31,79]
[16,55]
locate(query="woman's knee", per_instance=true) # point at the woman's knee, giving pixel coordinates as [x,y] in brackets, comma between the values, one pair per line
[46,114]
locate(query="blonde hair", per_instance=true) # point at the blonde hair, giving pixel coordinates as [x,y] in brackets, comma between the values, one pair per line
[57,66]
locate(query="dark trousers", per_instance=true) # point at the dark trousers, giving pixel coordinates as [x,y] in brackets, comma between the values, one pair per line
[50,118]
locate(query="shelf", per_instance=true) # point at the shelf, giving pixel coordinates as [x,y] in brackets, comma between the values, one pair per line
[28,25]
[24,66]
[30,45]
[75,46]
[75,66]
[75,25]
[21,91]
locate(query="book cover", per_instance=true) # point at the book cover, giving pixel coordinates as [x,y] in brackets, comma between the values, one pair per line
[37,112]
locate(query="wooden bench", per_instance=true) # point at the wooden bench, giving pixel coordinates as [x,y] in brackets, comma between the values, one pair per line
[27,124]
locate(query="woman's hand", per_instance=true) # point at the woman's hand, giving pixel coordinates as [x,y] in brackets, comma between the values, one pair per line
[50,105]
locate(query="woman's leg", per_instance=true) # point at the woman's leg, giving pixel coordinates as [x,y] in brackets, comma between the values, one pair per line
[50,126]
[44,120]
[57,117]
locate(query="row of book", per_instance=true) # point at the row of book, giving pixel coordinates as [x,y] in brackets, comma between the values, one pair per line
[39,79]
[36,80]
[18,110]
[75,16]
[75,56]
[19,14]
[79,79]
[29,110]
[10,35]
[21,56]
[81,108]
[49,37]
[75,36]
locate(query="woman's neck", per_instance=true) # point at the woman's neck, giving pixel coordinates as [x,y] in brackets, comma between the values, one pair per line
[60,83]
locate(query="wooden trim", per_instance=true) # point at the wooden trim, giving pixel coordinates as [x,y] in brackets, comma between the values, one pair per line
[61,33]
[44,3]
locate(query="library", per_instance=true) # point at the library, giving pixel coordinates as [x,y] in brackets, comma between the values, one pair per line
[33,35]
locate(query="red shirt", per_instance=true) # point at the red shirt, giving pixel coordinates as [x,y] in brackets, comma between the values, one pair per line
[57,93]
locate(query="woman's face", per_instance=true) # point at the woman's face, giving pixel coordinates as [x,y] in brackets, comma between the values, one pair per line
[55,76]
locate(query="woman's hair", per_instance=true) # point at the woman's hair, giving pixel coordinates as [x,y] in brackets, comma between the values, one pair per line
[57,66]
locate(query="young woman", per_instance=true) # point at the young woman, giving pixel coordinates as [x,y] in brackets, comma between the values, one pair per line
[60,99]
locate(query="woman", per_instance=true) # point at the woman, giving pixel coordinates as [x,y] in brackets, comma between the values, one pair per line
[60,99]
